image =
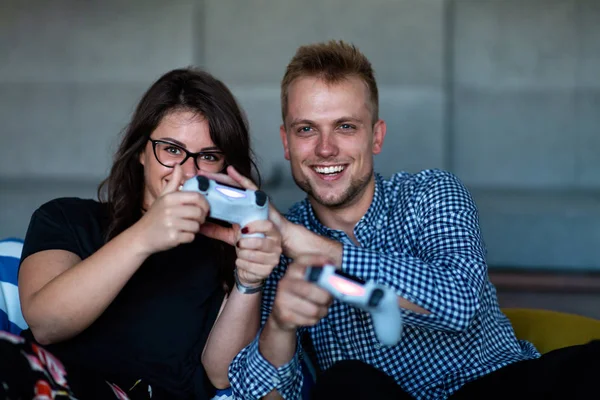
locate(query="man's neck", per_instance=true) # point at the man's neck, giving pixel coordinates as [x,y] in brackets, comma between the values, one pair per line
[345,218]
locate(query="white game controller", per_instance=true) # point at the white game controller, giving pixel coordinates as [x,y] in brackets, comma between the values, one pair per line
[380,301]
[229,203]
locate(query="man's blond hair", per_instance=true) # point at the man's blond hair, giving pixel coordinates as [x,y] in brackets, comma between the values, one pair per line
[333,62]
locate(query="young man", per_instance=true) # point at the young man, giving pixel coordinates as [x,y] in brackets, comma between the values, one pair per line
[418,234]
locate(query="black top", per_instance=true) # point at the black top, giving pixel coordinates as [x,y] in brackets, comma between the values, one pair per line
[157,326]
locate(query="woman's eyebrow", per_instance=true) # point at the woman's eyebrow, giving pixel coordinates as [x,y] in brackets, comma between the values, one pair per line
[181,144]
[174,141]
[210,149]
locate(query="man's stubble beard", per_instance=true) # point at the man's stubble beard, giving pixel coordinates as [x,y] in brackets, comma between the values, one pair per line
[350,196]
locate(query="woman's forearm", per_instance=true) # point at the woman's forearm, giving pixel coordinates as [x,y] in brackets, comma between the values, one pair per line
[234,329]
[71,301]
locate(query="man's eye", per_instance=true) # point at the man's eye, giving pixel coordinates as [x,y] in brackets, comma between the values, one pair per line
[347,126]
[305,129]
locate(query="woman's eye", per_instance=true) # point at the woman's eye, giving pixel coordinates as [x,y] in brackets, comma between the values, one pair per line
[210,157]
[173,150]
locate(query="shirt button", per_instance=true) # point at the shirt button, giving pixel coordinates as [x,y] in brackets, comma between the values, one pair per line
[379,226]
[377,346]
[275,380]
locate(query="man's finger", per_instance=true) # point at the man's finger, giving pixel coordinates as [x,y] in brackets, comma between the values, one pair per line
[308,312]
[312,293]
[174,182]
[298,267]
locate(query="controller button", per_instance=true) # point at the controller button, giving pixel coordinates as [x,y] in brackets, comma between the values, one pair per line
[261,198]
[375,298]
[203,183]
[314,274]
[347,275]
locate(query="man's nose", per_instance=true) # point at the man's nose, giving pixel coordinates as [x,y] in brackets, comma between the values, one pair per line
[327,146]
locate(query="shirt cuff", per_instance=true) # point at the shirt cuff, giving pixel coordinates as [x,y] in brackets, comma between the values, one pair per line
[360,263]
[282,379]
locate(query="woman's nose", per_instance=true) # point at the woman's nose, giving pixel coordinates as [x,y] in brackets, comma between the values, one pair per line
[189,168]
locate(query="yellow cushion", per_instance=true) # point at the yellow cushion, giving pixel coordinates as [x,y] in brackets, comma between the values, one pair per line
[550,330]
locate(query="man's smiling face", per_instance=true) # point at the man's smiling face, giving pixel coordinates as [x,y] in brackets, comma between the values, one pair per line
[329,137]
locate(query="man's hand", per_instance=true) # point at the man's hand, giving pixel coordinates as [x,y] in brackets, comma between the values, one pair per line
[298,240]
[297,301]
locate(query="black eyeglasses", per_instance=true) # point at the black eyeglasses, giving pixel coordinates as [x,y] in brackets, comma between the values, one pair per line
[169,154]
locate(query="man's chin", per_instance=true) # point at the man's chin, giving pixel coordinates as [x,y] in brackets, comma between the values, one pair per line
[331,200]
[331,197]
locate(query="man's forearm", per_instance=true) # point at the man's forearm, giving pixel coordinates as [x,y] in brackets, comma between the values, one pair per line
[313,243]
[334,249]
[299,240]
[276,345]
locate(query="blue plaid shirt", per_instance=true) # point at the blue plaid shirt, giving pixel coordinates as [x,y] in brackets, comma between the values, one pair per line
[420,236]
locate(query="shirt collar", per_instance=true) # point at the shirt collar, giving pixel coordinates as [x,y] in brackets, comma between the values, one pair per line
[374,219]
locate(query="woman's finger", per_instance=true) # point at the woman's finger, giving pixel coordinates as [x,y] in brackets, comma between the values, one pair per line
[187,225]
[245,182]
[266,244]
[260,270]
[188,212]
[215,231]
[221,178]
[259,257]
[266,227]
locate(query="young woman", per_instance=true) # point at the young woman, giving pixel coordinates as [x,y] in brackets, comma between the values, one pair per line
[135,290]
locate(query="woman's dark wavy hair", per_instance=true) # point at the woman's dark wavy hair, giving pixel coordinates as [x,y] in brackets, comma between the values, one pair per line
[186,89]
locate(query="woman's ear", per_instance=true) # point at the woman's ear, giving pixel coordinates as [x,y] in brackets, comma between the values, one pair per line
[142,157]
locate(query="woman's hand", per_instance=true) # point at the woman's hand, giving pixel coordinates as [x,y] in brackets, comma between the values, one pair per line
[234,178]
[174,218]
[256,256]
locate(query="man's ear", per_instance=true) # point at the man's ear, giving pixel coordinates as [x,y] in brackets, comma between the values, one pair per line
[284,141]
[379,131]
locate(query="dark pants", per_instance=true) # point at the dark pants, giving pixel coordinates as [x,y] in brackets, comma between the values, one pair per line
[569,373]
[353,379]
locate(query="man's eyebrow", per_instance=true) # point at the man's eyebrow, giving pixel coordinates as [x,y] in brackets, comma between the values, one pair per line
[302,122]
[348,119]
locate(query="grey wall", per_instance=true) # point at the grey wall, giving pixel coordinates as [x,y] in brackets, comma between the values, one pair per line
[505,93]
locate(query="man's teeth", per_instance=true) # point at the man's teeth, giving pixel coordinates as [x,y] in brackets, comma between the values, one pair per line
[329,170]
